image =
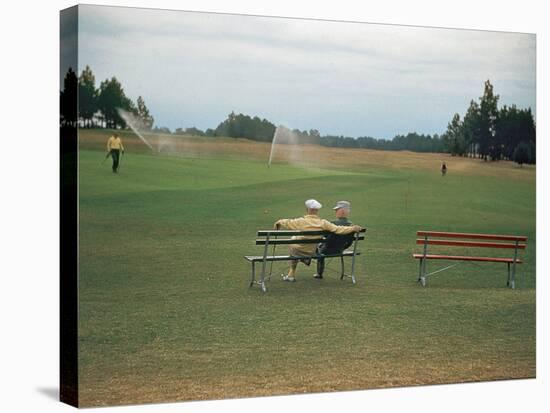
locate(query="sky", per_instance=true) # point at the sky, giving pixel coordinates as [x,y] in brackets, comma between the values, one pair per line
[341,78]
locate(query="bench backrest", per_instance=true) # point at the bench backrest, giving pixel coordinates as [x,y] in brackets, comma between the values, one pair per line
[271,237]
[460,239]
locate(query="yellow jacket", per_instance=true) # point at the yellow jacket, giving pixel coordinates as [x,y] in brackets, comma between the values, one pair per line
[114,143]
[312,223]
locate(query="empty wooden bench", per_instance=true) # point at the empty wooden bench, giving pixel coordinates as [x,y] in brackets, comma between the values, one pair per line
[456,239]
[272,238]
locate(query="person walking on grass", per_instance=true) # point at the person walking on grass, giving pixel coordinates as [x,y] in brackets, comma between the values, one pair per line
[114,148]
[309,222]
[443,169]
[335,243]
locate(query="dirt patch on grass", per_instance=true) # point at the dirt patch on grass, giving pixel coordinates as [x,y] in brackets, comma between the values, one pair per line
[361,375]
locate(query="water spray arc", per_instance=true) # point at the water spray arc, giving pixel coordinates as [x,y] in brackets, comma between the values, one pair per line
[133,123]
[291,150]
[273,143]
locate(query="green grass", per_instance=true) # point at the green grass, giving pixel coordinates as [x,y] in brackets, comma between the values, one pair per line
[166,312]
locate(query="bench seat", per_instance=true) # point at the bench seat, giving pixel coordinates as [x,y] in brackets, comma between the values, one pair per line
[260,258]
[467,258]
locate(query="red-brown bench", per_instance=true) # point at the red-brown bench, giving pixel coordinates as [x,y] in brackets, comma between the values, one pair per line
[457,239]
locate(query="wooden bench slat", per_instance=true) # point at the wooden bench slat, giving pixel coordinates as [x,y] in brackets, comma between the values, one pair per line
[291,232]
[260,258]
[422,241]
[287,241]
[467,258]
[495,237]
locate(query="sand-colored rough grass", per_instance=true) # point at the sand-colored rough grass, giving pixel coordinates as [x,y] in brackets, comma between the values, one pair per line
[307,155]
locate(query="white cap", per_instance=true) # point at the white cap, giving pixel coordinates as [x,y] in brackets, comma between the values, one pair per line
[313,204]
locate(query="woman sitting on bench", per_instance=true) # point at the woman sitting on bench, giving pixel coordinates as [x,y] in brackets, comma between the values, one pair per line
[309,222]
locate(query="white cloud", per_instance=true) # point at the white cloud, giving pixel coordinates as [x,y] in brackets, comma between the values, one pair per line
[348,78]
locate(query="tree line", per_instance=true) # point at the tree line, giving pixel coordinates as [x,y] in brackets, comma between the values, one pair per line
[254,128]
[410,142]
[485,131]
[490,133]
[99,107]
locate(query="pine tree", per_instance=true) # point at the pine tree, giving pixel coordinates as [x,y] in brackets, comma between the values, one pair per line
[143,114]
[87,96]
[111,98]
[521,153]
[68,104]
[454,137]
[489,146]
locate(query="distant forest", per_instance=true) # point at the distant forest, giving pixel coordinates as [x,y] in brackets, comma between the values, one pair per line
[486,131]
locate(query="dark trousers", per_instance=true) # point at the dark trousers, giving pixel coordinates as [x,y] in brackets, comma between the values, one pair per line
[321,250]
[320,266]
[115,154]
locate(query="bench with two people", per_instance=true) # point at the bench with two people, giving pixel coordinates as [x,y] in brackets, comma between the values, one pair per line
[311,237]
[308,238]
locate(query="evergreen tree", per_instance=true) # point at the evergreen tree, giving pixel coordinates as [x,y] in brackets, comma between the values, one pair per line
[454,137]
[111,98]
[488,143]
[87,96]
[243,126]
[143,114]
[521,153]
[471,127]
[494,133]
[68,99]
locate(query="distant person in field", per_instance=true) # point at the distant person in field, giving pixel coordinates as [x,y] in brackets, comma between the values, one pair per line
[309,222]
[443,169]
[335,243]
[114,148]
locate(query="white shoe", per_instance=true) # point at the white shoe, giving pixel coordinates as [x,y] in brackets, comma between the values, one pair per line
[287,278]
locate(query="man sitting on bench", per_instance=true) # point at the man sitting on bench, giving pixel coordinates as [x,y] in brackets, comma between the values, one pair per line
[309,222]
[335,243]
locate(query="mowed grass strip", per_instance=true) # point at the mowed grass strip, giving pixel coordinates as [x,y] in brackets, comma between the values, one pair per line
[166,312]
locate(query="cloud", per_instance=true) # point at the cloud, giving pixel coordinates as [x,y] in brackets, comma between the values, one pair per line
[344,78]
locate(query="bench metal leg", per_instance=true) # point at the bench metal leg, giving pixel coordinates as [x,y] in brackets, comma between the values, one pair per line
[353,268]
[342,267]
[509,275]
[513,278]
[262,279]
[353,257]
[264,262]
[253,279]
[423,271]
[423,263]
